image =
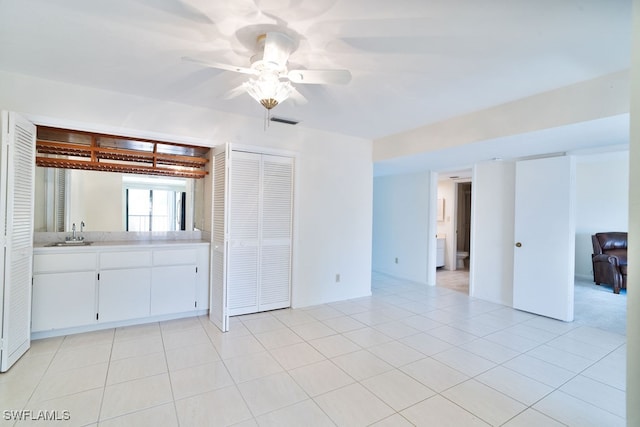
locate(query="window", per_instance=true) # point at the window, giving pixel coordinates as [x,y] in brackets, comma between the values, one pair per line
[154,204]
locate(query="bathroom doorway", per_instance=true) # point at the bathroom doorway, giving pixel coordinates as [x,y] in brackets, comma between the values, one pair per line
[453,229]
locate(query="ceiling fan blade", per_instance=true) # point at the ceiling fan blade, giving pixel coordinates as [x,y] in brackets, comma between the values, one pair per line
[235,92]
[297,97]
[277,48]
[339,77]
[220,66]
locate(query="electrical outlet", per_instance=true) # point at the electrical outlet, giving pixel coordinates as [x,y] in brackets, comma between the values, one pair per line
[396,260]
[338,278]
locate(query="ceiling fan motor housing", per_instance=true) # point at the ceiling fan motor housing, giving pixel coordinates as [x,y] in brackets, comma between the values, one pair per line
[272,51]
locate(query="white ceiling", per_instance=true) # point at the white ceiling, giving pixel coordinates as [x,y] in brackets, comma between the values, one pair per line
[413,62]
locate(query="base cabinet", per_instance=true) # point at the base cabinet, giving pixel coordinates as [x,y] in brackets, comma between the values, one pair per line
[124,294]
[63,300]
[173,289]
[117,286]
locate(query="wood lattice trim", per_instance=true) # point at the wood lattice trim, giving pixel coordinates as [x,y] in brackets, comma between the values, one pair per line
[88,151]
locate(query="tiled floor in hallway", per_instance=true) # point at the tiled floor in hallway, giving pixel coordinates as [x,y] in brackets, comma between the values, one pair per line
[408,355]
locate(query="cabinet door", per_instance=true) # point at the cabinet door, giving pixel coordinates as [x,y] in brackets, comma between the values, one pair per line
[124,294]
[173,289]
[63,300]
[202,279]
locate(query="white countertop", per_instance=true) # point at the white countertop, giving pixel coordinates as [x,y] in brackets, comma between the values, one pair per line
[42,247]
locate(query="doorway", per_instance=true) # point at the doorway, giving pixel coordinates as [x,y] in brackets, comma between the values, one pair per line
[453,228]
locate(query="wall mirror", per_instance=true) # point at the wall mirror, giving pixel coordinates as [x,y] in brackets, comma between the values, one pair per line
[108,201]
[115,183]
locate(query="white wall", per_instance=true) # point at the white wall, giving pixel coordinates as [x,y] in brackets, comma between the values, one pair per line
[401,211]
[493,215]
[633,293]
[334,172]
[602,202]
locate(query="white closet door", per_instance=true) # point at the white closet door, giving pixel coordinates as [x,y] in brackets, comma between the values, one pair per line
[17,182]
[218,304]
[275,256]
[244,232]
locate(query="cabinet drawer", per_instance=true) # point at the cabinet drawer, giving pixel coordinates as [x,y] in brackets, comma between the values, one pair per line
[126,259]
[58,263]
[175,257]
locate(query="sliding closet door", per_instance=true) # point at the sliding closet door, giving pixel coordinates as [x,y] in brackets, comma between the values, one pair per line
[17,182]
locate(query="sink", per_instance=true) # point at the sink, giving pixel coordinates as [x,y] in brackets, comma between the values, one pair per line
[71,243]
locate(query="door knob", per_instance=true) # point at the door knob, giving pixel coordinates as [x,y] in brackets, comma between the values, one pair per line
[518,244]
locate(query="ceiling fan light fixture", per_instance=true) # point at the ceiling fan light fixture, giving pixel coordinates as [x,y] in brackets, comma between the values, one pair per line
[268,89]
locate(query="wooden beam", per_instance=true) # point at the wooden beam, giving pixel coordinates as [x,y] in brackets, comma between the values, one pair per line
[53,162]
[69,149]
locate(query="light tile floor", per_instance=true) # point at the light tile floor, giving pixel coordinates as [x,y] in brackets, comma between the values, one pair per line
[408,355]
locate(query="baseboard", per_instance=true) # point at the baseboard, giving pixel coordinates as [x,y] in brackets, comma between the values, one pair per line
[109,325]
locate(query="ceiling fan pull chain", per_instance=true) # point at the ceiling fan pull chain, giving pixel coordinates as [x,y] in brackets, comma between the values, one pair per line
[267,117]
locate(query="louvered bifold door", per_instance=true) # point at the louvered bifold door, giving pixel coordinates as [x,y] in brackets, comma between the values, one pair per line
[18,168]
[275,254]
[243,228]
[218,304]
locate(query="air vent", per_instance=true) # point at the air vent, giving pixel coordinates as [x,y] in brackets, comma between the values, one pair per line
[285,121]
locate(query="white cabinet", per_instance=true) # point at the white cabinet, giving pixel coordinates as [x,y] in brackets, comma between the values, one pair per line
[440,244]
[64,291]
[63,300]
[173,285]
[178,280]
[95,286]
[124,285]
[173,289]
[124,294]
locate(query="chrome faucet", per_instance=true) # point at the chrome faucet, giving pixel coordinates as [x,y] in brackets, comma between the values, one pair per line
[81,226]
[73,231]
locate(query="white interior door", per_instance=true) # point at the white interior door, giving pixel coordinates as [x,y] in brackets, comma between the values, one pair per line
[17,183]
[545,237]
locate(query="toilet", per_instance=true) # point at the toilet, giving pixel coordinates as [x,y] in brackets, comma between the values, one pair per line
[461,260]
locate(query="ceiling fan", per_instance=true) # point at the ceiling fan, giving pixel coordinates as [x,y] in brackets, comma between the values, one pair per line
[271,81]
